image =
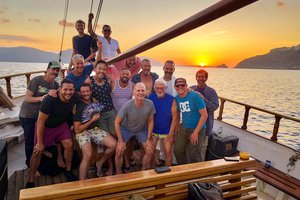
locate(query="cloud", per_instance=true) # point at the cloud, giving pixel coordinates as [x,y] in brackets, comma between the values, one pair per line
[280,3]
[34,20]
[68,24]
[4,21]
[16,38]
[3,9]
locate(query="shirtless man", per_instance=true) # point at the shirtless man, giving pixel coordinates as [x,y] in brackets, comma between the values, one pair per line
[146,76]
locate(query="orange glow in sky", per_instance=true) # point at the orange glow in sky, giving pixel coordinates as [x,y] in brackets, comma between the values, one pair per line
[250,31]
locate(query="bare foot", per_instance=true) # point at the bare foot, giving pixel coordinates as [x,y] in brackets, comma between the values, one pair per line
[61,163]
[37,174]
[109,172]
[99,172]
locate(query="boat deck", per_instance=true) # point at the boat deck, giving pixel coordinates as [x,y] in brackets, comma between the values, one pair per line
[17,179]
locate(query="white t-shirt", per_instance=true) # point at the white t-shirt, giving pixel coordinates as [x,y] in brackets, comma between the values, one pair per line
[109,50]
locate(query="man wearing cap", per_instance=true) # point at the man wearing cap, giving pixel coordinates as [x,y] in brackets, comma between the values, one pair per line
[192,130]
[37,89]
[211,100]
[52,128]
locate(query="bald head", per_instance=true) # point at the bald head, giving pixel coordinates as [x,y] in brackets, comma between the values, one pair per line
[139,91]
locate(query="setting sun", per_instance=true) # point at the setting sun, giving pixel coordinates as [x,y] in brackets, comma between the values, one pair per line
[202,64]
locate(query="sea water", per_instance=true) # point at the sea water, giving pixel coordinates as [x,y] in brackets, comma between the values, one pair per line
[273,90]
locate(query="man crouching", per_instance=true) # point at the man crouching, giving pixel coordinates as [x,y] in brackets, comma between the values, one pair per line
[86,128]
[135,118]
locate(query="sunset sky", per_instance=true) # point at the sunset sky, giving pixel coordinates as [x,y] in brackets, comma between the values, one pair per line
[250,31]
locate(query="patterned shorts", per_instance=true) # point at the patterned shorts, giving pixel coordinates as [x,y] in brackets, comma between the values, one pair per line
[94,135]
[160,136]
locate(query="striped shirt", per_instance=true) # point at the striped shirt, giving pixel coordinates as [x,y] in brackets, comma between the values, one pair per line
[121,95]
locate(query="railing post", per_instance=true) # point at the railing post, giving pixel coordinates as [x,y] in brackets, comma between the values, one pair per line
[276,128]
[8,86]
[246,116]
[221,110]
[27,78]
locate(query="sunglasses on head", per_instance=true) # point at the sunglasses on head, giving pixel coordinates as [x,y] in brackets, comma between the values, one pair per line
[180,85]
[107,30]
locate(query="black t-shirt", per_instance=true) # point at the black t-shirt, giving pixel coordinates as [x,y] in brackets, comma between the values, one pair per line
[83,45]
[57,110]
[80,107]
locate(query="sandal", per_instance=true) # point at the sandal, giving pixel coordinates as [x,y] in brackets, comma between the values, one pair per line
[159,162]
[132,162]
[126,169]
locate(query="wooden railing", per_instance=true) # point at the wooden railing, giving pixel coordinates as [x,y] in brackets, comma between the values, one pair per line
[235,179]
[277,116]
[26,74]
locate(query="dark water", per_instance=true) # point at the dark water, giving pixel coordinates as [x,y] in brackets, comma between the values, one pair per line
[274,90]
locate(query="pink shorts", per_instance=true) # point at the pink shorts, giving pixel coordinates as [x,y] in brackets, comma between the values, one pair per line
[53,135]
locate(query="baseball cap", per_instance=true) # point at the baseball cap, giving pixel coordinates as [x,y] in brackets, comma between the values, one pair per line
[53,64]
[180,80]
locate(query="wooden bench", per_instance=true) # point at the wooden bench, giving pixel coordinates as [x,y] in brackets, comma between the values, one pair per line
[233,177]
[279,180]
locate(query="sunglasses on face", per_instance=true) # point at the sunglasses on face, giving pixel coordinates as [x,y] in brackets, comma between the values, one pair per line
[106,30]
[180,85]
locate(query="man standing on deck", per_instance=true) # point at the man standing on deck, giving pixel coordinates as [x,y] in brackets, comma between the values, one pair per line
[192,130]
[121,89]
[52,128]
[211,100]
[37,89]
[110,46]
[146,76]
[165,118]
[82,44]
[132,63]
[169,69]
[135,118]
[81,72]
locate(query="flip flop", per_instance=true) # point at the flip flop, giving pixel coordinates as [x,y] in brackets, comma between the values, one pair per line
[132,162]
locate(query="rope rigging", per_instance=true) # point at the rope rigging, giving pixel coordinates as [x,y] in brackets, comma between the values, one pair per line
[97,14]
[64,28]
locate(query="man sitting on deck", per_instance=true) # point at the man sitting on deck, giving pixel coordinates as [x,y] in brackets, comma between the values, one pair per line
[135,118]
[192,130]
[88,130]
[165,118]
[52,127]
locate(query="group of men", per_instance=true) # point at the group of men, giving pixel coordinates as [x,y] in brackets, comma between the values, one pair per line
[113,111]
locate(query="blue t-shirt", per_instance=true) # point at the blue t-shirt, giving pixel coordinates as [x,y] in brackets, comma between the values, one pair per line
[79,80]
[83,45]
[163,115]
[189,106]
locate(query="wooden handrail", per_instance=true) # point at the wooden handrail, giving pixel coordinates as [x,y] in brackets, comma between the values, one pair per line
[8,77]
[149,183]
[278,116]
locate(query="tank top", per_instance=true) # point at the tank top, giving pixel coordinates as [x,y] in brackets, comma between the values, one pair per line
[121,95]
[102,94]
